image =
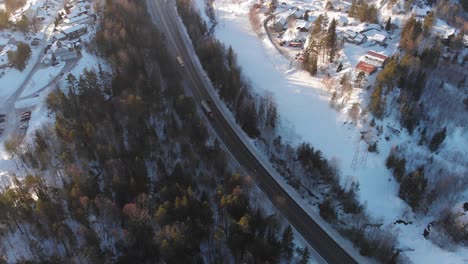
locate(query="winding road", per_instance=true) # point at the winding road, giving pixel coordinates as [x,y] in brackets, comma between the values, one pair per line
[166,17]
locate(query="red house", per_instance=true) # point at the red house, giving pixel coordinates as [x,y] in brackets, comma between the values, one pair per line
[365,67]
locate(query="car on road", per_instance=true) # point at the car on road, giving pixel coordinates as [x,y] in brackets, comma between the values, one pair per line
[36,95]
[24,126]
[2,119]
[27,113]
[1,130]
[2,115]
[25,118]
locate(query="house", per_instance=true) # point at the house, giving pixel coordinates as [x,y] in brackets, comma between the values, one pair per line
[297,13]
[65,53]
[342,21]
[75,31]
[349,34]
[379,39]
[365,67]
[75,20]
[77,11]
[359,39]
[378,58]
[442,30]
[302,26]
[59,36]
[420,12]
[280,24]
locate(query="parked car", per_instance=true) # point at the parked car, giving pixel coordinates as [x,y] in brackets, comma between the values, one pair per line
[24,126]
[2,119]
[2,115]
[27,113]
[25,118]
[1,130]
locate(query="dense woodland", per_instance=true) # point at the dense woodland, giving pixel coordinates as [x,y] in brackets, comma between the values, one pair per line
[129,173]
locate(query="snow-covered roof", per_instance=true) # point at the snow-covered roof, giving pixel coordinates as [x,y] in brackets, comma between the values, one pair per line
[350,33]
[302,24]
[376,55]
[72,29]
[342,20]
[75,19]
[281,20]
[379,38]
[420,12]
[359,37]
[442,29]
[298,13]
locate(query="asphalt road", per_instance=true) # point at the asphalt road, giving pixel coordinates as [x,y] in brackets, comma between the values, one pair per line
[165,16]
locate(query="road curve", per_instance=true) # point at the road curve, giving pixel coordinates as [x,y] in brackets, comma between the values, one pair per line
[327,248]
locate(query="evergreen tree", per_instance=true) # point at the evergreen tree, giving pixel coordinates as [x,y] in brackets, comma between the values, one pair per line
[287,243]
[437,139]
[428,22]
[377,103]
[388,25]
[304,255]
[412,188]
[331,40]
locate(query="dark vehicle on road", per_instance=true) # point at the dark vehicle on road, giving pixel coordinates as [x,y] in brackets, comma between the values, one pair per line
[206,108]
[2,119]
[2,115]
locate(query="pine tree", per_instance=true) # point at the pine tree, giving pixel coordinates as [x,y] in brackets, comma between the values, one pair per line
[352,9]
[304,255]
[287,243]
[412,188]
[388,25]
[377,104]
[437,139]
[428,22]
[331,40]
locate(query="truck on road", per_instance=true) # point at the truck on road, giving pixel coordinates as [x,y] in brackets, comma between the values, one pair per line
[181,62]
[207,108]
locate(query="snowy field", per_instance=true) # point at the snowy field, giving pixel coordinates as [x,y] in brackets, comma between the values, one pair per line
[304,108]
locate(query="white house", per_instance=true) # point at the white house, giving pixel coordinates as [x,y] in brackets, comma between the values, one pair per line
[77,19]
[342,21]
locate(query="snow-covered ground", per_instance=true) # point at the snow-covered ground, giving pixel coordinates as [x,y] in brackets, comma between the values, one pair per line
[41,78]
[303,105]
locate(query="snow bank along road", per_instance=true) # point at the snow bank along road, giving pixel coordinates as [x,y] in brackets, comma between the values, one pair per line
[165,14]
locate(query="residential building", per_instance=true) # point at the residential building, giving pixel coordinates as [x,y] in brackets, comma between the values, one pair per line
[75,31]
[365,67]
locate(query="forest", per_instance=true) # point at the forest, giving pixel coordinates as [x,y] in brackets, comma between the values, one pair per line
[128,173]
